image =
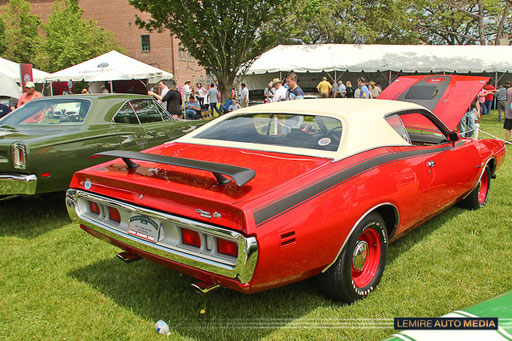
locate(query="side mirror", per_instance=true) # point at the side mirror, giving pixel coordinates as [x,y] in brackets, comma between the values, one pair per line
[453,136]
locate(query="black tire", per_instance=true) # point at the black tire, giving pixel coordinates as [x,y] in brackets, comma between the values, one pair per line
[478,197]
[348,281]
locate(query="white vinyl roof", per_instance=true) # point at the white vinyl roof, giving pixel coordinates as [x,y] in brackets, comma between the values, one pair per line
[373,58]
[12,70]
[363,122]
[110,66]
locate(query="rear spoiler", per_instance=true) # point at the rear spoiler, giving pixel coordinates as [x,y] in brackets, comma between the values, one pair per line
[239,174]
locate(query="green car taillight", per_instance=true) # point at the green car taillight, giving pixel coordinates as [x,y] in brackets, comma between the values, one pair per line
[19,156]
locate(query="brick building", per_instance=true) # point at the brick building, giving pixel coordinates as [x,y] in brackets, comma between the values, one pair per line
[157,49]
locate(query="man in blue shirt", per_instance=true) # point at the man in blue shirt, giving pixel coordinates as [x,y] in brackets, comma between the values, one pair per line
[364,93]
[192,109]
[294,90]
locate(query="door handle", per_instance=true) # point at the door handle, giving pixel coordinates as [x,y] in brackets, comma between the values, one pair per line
[431,164]
[152,133]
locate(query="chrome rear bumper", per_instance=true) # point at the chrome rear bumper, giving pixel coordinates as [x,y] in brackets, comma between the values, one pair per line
[11,184]
[168,244]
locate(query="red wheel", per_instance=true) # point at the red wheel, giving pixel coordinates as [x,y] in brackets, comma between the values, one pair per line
[366,258]
[359,268]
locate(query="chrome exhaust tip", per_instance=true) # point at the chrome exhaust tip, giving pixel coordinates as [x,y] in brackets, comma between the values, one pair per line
[127,257]
[203,287]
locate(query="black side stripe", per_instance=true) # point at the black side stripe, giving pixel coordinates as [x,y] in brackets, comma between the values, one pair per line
[281,206]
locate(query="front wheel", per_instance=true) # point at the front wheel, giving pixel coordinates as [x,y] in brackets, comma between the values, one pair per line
[478,197]
[359,268]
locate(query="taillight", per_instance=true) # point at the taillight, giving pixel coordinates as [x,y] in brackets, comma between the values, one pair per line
[190,237]
[19,156]
[94,207]
[227,247]
[114,214]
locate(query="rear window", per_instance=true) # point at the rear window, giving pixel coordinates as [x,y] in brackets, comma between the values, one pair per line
[279,129]
[49,111]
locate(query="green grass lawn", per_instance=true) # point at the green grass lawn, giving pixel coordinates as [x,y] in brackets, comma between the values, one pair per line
[58,282]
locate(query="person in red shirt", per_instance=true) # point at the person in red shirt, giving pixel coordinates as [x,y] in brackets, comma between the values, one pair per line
[29,95]
[489,98]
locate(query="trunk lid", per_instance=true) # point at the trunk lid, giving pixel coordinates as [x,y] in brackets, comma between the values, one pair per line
[194,193]
[447,96]
[24,135]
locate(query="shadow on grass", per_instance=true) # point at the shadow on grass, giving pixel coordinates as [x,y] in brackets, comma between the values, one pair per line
[155,292]
[29,217]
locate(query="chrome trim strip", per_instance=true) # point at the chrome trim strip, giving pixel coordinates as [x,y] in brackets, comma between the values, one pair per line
[245,265]
[17,184]
[357,223]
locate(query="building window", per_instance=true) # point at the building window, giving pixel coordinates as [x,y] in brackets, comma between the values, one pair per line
[144,40]
[181,52]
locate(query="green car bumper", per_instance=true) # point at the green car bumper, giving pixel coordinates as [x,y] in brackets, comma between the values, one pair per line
[17,184]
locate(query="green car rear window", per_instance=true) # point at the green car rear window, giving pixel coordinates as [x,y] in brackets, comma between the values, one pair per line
[51,111]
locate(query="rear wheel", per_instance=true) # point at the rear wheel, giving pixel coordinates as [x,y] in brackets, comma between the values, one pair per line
[359,268]
[478,197]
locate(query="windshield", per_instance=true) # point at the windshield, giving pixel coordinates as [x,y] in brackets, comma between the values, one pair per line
[49,111]
[279,129]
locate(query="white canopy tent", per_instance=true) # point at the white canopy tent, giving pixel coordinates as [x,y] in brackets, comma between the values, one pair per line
[8,87]
[109,67]
[12,70]
[341,58]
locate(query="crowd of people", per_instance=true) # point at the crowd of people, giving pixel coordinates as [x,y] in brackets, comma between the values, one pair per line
[195,101]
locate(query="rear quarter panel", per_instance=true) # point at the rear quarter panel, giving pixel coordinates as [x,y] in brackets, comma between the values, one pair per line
[303,236]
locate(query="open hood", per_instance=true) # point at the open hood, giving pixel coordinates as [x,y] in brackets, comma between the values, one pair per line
[447,96]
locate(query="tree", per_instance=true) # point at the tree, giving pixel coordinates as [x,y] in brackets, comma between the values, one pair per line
[3,44]
[21,38]
[460,22]
[356,21]
[70,40]
[224,36]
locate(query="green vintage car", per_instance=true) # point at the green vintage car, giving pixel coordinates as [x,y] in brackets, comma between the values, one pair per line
[45,141]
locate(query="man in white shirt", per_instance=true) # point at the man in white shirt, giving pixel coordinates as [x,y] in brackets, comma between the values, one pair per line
[342,89]
[186,91]
[163,91]
[244,96]
[374,90]
[280,94]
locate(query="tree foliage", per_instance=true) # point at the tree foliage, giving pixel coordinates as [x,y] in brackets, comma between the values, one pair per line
[224,36]
[3,44]
[70,40]
[460,22]
[21,38]
[356,21]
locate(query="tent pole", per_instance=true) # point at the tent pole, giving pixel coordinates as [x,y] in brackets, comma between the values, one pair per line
[111,89]
[51,88]
[495,86]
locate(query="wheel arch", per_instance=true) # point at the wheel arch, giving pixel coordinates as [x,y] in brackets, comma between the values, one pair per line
[388,212]
[492,163]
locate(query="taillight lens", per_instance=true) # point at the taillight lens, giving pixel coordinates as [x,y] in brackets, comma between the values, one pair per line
[19,156]
[114,214]
[94,207]
[227,247]
[190,237]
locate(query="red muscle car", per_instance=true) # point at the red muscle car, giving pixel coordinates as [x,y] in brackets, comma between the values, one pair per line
[276,193]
